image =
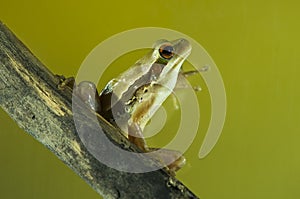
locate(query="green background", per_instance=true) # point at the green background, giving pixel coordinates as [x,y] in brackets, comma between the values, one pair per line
[256,47]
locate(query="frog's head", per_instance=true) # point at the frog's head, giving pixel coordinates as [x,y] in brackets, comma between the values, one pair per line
[166,59]
[172,54]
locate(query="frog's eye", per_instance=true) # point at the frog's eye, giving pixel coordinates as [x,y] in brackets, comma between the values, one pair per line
[166,51]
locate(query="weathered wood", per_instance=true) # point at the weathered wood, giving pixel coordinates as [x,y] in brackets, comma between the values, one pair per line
[29,93]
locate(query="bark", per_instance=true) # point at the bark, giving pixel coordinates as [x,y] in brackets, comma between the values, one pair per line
[30,94]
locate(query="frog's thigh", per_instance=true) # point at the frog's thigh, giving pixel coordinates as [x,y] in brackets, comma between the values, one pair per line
[87,91]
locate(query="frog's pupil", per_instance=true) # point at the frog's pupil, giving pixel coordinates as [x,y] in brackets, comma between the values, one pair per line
[167,52]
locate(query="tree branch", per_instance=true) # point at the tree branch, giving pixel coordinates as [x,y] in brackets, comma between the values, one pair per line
[29,93]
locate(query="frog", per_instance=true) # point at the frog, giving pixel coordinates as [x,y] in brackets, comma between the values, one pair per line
[130,100]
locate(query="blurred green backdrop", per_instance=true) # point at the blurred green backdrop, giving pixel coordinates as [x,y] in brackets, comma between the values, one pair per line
[255,45]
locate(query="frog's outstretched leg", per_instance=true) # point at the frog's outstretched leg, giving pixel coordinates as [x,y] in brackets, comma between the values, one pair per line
[194,72]
[182,81]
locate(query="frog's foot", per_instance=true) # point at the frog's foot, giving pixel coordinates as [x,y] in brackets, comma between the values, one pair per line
[65,82]
[88,93]
[173,159]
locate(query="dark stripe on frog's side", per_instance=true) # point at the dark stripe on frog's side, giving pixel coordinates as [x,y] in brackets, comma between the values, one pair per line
[147,78]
